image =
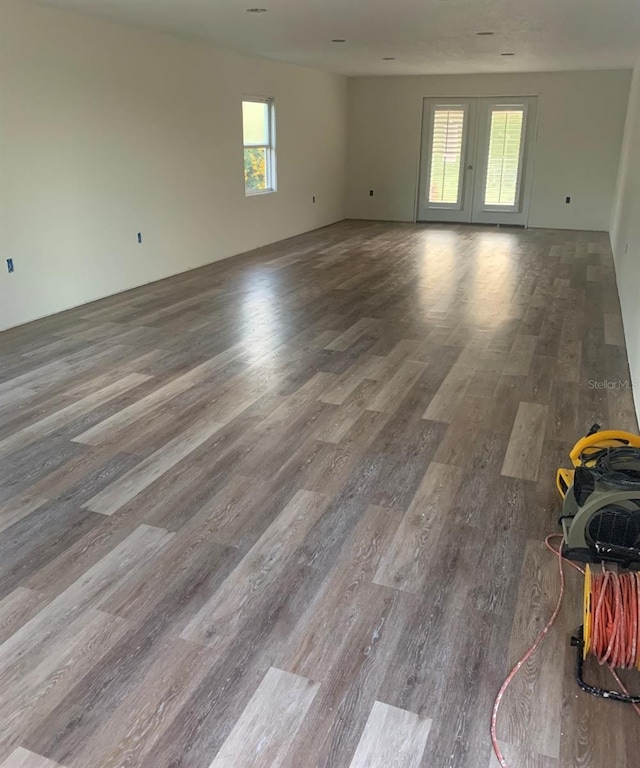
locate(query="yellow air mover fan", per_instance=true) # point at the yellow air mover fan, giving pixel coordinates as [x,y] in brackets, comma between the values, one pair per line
[601,509]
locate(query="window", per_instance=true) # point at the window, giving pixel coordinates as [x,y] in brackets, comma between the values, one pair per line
[504,165]
[258,123]
[446,156]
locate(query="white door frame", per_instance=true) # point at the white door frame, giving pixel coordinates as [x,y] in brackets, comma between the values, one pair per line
[518,214]
[459,212]
[474,166]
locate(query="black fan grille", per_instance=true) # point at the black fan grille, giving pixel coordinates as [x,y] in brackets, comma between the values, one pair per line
[614,525]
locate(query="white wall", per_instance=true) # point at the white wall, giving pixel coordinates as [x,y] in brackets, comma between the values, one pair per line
[106,131]
[625,234]
[581,119]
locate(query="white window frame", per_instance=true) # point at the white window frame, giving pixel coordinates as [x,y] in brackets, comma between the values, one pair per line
[270,147]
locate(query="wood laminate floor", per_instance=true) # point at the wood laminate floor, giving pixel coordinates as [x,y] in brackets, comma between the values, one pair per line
[288,510]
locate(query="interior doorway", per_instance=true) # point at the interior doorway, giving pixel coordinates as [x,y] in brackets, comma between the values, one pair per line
[477,160]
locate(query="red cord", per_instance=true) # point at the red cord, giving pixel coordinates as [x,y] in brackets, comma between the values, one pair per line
[615,639]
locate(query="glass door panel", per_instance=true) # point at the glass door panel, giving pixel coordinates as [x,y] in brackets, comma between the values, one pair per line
[504,161]
[448,134]
[445,182]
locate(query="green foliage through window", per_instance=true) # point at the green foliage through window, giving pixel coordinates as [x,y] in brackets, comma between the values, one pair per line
[255,169]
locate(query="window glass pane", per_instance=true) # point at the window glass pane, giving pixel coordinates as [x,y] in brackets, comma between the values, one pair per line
[446,156]
[255,119]
[255,169]
[503,166]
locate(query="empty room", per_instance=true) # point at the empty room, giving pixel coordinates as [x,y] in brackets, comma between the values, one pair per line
[319,384]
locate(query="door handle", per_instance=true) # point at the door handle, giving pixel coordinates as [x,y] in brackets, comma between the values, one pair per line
[469,167]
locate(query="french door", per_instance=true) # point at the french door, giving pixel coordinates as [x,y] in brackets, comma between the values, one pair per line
[477,160]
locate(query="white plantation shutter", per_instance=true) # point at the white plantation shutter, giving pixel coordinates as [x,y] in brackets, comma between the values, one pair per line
[505,157]
[446,156]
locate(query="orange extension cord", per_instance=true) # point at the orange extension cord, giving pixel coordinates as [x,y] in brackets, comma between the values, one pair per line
[616,629]
[615,619]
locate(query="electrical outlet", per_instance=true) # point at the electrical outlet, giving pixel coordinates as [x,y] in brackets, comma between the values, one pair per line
[9,265]
[370,193]
[314,198]
[567,200]
[139,237]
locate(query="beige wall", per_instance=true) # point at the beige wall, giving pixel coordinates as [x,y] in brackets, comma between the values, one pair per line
[581,119]
[625,234]
[106,131]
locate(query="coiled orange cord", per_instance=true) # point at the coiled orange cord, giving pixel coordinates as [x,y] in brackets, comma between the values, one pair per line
[615,601]
[615,635]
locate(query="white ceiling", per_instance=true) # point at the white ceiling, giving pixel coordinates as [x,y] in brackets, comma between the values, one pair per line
[425,36]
